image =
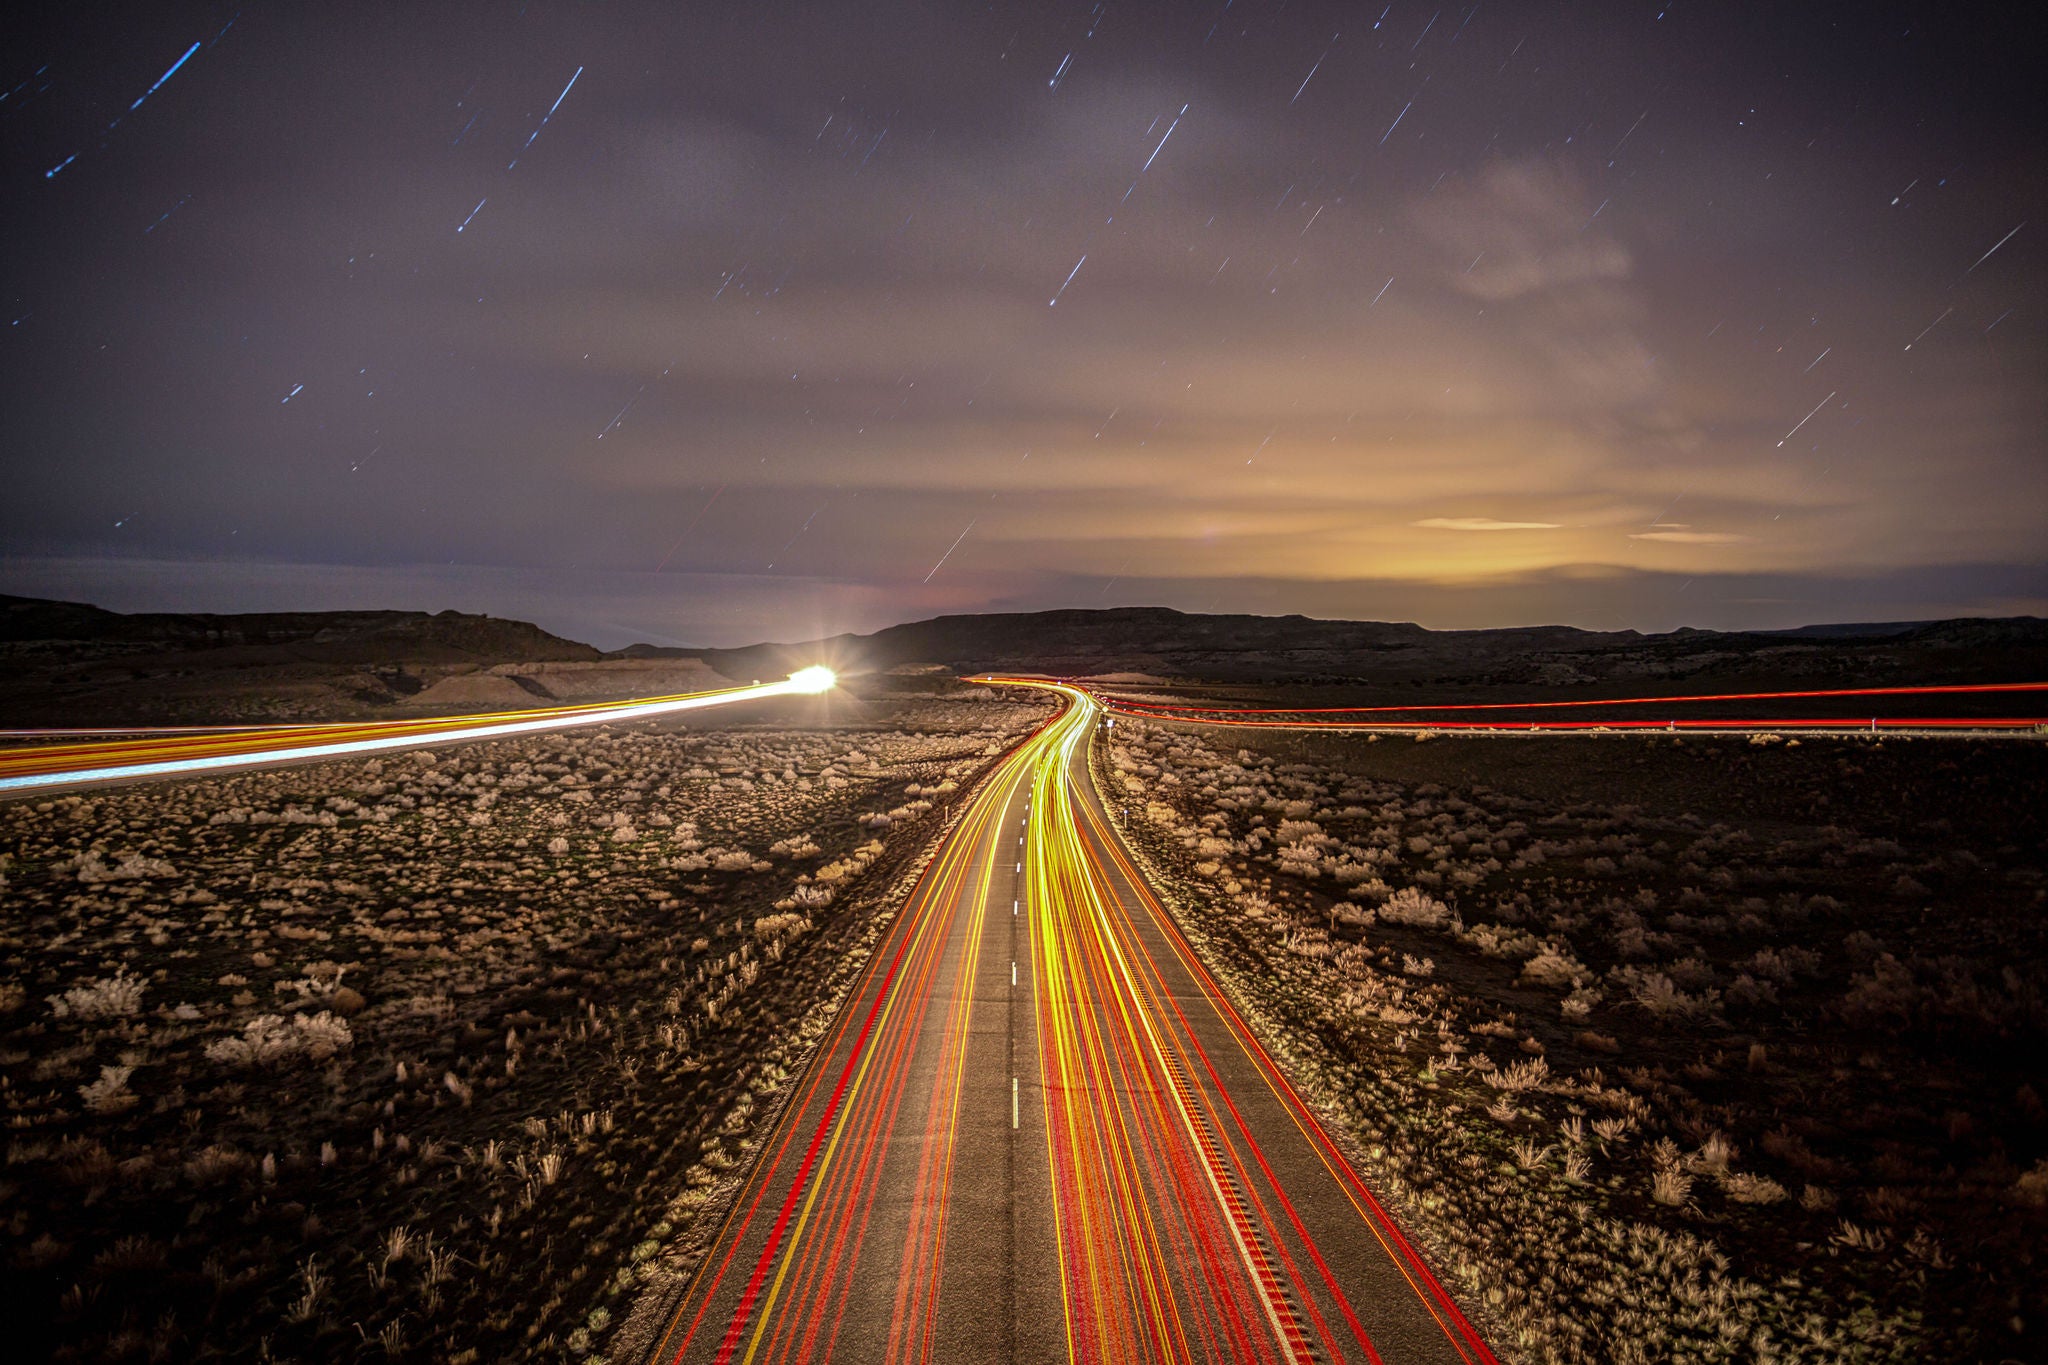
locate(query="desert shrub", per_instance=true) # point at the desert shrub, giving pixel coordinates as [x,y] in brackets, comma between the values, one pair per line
[1579,1004]
[1745,1188]
[109,1094]
[92,870]
[1780,965]
[1371,889]
[1497,940]
[1413,907]
[1256,906]
[107,997]
[771,927]
[1301,860]
[1660,997]
[217,1163]
[1554,969]
[1946,994]
[271,1038]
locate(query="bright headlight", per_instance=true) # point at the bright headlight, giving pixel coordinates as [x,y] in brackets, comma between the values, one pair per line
[816,678]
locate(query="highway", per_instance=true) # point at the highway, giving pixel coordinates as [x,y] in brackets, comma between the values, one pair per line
[1038,1131]
[71,761]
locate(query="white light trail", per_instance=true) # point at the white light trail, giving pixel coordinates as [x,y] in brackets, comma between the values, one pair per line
[1808,418]
[1626,136]
[1936,323]
[1176,123]
[956,541]
[548,115]
[1070,277]
[1309,77]
[1397,122]
[2001,242]
[804,682]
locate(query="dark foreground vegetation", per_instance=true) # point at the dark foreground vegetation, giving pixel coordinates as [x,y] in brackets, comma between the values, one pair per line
[436,1057]
[1673,1049]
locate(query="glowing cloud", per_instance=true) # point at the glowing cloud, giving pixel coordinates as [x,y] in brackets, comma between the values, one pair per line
[1689,537]
[1484,524]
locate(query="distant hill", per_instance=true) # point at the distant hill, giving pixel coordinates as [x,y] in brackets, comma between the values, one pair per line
[334,637]
[70,663]
[66,663]
[1163,642]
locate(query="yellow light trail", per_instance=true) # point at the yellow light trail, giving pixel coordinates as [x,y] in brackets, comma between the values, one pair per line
[1101,1025]
[1173,1225]
[805,1272]
[1185,1194]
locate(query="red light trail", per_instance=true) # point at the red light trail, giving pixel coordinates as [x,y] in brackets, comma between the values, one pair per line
[1132,1180]
[1226,715]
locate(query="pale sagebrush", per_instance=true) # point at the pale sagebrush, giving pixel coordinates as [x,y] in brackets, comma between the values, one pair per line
[108,997]
[109,1094]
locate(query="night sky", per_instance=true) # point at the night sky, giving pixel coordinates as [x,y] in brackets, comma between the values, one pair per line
[707,323]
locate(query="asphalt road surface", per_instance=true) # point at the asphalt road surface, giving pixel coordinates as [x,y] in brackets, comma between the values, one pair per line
[1039,1132]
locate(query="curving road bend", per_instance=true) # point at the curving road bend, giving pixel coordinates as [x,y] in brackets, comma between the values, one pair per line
[1039,1132]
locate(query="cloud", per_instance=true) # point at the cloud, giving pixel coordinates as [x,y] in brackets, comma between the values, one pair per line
[1690,537]
[1528,240]
[1484,524]
[1525,228]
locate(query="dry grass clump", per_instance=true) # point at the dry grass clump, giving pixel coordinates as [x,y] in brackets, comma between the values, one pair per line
[1773,1022]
